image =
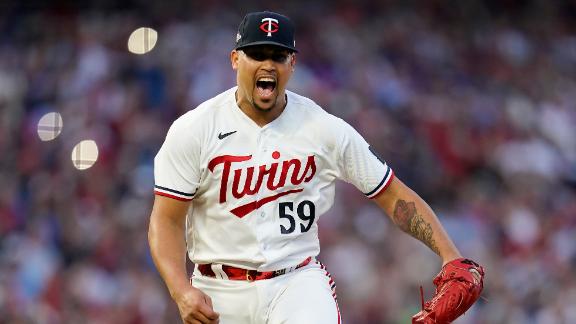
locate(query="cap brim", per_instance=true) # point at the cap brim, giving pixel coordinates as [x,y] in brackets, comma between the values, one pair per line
[267,43]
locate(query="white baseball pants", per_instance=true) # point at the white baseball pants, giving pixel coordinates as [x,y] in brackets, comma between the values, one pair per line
[304,296]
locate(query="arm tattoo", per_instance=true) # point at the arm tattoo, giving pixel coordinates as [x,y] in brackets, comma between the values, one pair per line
[407,218]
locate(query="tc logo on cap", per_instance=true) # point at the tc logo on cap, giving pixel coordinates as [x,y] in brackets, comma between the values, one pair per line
[269,25]
[265,28]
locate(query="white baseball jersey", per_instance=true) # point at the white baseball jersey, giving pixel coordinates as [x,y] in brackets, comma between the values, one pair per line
[258,191]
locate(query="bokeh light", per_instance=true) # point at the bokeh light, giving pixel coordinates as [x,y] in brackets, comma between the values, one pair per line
[50,126]
[142,40]
[84,154]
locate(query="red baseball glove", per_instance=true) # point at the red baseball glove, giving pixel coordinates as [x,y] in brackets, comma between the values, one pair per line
[458,286]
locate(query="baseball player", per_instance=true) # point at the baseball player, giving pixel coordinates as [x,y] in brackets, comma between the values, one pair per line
[247,174]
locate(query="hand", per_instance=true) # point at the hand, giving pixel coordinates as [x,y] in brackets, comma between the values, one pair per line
[195,307]
[458,286]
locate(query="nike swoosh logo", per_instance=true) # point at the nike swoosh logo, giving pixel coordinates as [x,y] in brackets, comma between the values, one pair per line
[222,136]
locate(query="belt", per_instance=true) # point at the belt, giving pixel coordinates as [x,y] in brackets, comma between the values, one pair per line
[234,273]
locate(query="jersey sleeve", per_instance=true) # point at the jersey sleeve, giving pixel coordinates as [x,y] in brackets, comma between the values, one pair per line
[176,166]
[360,166]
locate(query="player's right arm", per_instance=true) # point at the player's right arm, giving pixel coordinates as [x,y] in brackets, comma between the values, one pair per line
[168,248]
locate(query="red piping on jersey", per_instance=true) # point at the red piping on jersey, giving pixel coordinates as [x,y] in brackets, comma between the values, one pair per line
[244,210]
[385,186]
[332,287]
[171,196]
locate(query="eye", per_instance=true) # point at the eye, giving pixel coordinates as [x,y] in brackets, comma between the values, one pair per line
[279,57]
[258,56]
[254,55]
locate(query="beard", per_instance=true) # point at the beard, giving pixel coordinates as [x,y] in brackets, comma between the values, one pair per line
[261,109]
[274,103]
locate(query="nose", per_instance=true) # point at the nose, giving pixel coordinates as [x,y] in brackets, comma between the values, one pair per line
[268,65]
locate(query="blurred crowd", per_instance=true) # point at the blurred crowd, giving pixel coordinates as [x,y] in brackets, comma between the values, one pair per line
[472,103]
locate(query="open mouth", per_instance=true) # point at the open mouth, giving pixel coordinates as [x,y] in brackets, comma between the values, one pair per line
[266,86]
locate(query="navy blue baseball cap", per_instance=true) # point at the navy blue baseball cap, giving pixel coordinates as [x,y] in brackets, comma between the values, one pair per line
[266,28]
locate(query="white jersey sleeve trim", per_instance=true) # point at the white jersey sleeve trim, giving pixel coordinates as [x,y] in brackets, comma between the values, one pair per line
[383,185]
[176,165]
[358,163]
[171,193]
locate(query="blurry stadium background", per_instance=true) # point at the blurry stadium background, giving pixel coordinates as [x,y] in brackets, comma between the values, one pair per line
[472,103]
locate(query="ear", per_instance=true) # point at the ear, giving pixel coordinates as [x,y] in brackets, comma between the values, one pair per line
[293,61]
[234,56]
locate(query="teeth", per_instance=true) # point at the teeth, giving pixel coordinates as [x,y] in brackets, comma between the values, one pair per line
[267,79]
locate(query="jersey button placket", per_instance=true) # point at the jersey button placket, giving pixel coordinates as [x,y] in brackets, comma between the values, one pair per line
[264,142]
[264,159]
[259,158]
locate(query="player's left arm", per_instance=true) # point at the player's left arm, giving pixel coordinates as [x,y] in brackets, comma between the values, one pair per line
[413,215]
[460,282]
